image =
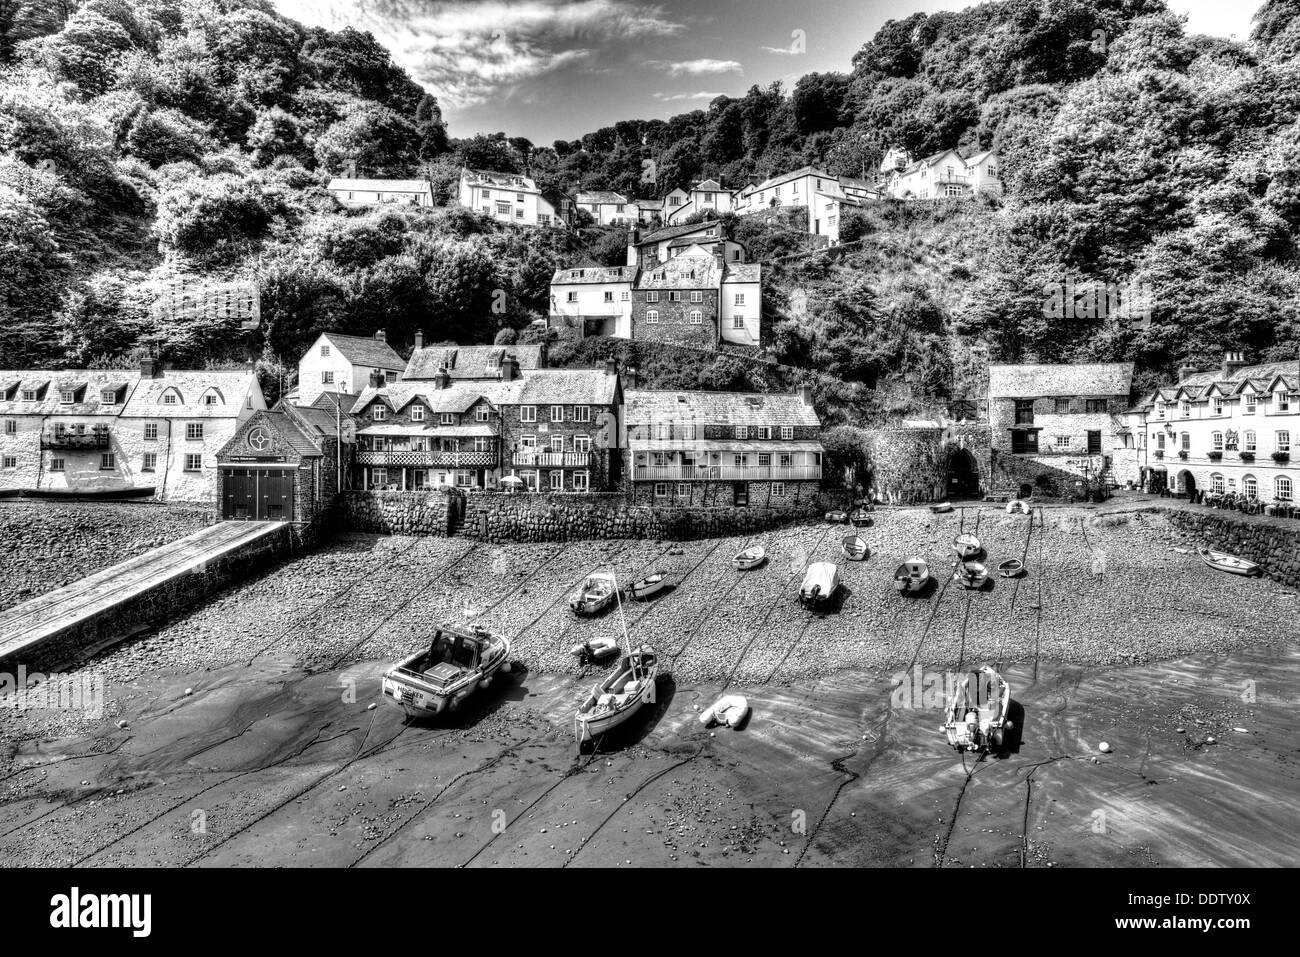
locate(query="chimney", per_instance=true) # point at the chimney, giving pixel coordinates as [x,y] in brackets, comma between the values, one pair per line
[633,234]
[149,367]
[419,339]
[1232,361]
[381,335]
[611,367]
[375,381]
[442,380]
[805,394]
[629,378]
[1186,370]
[509,368]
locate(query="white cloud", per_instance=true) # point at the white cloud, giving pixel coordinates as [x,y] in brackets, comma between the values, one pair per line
[678,97]
[783,51]
[696,67]
[464,52]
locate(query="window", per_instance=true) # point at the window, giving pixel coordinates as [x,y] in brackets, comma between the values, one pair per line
[519,197]
[697,296]
[661,489]
[481,413]
[1216,408]
[417,413]
[1284,441]
[582,413]
[150,463]
[742,431]
[787,433]
[1283,402]
[482,443]
[1216,441]
[557,413]
[1062,406]
[327,378]
[696,317]
[738,322]
[378,413]
[10,462]
[1024,411]
[1186,441]
[1248,404]
[211,398]
[1160,440]
[557,443]
[108,397]
[582,443]
[487,193]
[108,461]
[170,398]
[519,214]
[151,431]
[324,350]
[581,481]
[763,432]
[447,418]
[674,296]
[11,426]
[1184,408]
[1216,483]
[1248,441]
[528,413]
[778,489]
[652,297]
[1095,406]
[378,478]
[609,295]
[1282,488]
[57,465]
[557,481]
[503,209]
[465,478]
[193,431]
[683,490]
[528,441]
[738,299]
[624,296]
[1249,486]
[652,316]
[1160,410]
[29,395]
[1062,442]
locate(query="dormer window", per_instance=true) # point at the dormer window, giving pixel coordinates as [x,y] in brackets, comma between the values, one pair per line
[67,396]
[212,397]
[1248,403]
[1283,402]
[29,395]
[171,398]
[108,397]
[1216,406]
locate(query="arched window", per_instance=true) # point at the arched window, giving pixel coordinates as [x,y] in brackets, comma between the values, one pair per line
[1282,488]
[1216,483]
[1249,487]
[171,397]
[212,397]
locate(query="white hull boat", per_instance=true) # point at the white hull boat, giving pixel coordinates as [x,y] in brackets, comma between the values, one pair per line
[650,585]
[618,697]
[971,574]
[939,508]
[1018,505]
[750,558]
[912,576]
[820,582]
[1223,562]
[966,545]
[977,711]
[854,548]
[456,664]
[730,710]
[594,595]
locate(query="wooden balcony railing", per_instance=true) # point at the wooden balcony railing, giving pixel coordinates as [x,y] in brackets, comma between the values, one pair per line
[746,473]
[428,459]
[540,459]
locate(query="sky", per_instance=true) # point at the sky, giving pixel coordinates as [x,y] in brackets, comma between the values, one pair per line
[551,69]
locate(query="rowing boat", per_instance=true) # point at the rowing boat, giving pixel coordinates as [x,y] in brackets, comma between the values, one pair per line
[645,587]
[912,576]
[971,574]
[854,548]
[1017,505]
[966,545]
[940,507]
[751,557]
[977,711]
[1011,568]
[1222,561]
[860,517]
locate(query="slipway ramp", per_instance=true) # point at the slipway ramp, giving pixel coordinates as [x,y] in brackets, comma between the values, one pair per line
[77,619]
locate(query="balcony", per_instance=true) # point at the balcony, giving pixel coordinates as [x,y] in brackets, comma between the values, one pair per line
[945,177]
[428,459]
[725,473]
[97,438]
[532,459]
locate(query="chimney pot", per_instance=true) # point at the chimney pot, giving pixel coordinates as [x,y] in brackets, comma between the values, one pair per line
[611,367]
[149,367]
[374,380]
[805,393]
[381,335]
[419,340]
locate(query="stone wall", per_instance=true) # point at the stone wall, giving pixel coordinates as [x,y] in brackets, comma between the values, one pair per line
[402,513]
[1272,543]
[910,465]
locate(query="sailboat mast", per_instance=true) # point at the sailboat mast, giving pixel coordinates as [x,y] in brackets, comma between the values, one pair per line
[627,640]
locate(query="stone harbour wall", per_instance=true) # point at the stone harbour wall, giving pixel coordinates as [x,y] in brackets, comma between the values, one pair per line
[1271,543]
[402,513]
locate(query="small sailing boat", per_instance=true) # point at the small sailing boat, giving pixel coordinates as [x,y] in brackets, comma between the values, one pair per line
[854,548]
[977,711]
[966,545]
[1223,562]
[912,576]
[751,557]
[621,695]
[651,584]
[1011,568]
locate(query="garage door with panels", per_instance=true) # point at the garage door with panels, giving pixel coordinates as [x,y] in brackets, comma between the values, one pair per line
[257,469]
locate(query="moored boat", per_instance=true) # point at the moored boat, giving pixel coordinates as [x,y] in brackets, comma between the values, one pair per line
[971,574]
[651,584]
[1011,568]
[977,711]
[751,557]
[854,548]
[729,710]
[912,576]
[620,696]
[456,664]
[940,508]
[1222,561]
[593,595]
[966,545]
[860,517]
[595,649]
[1018,505]
[820,582]
[837,516]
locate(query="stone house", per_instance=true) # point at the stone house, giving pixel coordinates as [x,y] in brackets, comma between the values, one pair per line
[722,448]
[679,301]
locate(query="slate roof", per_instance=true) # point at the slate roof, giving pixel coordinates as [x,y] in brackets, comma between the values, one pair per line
[742,272]
[1032,381]
[801,172]
[601,197]
[593,274]
[297,438]
[709,186]
[382,185]
[672,232]
[1264,372]
[234,387]
[89,382]
[568,387]
[470,362]
[365,351]
[534,387]
[515,181]
[329,400]
[667,406]
[687,271]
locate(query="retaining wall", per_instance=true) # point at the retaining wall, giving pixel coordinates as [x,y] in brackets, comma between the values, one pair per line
[1272,543]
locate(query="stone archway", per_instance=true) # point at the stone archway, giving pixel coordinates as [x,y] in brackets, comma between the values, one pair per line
[963,474]
[1187,484]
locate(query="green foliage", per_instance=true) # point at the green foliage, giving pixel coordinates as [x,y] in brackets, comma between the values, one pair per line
[217,218]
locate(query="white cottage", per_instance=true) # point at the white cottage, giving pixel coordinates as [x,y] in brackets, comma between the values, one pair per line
[338,363]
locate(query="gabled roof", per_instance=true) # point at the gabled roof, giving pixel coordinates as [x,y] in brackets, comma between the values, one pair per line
[515,181]
[568,387]
[364,351]
[1032,381]
[592,274]
[1263,372]
[382,185]
[649,203]
[673,232]
[328,401]
[690,270]
[235,387]
[742,272]
[801,172]
[471,362]
[458,397]
[668,406]
[89,385]
[709,186]
[601,197]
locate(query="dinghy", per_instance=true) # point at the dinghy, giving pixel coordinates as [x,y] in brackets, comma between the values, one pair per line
[940,508]
[912,576]
[854,548]
[729,710]
[593,595]
[1018,505]
[456,664]
[977,711]
[971,574]
[966,545]
[595,649]
[751,557]
[837,516]
[1222,561]
[820,583]
[860,517]
[619,696]
[645,587]
[1011,568]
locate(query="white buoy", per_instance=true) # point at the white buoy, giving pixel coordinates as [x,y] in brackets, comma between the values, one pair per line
[188,692]
[1104,748]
